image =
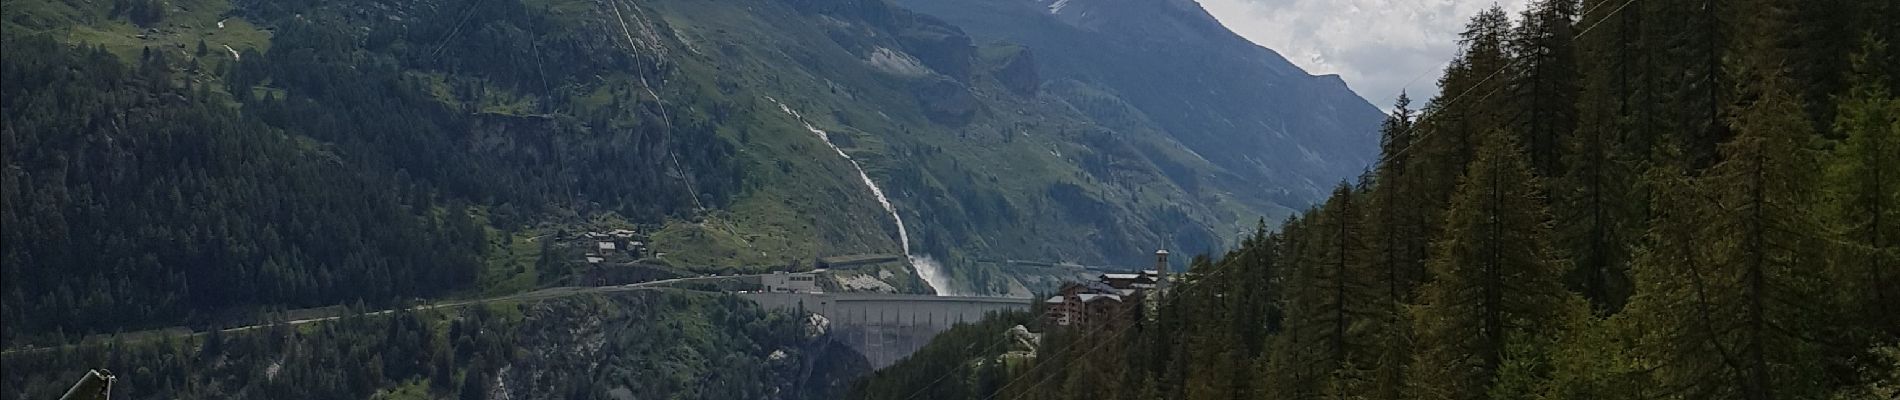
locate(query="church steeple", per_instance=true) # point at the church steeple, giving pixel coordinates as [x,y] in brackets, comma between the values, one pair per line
[1161,268]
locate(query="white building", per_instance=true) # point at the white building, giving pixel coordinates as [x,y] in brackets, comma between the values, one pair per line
[784,282]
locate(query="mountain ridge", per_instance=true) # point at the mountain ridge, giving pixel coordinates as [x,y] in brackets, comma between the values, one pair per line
[488,126]
[1223,91]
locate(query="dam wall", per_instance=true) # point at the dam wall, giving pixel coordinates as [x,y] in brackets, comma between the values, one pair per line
[886,328]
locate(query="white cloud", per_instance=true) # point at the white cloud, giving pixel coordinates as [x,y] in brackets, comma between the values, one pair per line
[1378,46]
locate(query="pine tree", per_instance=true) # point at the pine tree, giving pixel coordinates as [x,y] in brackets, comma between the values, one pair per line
[1496,278]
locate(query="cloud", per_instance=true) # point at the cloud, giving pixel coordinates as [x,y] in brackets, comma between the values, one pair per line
[1379,46]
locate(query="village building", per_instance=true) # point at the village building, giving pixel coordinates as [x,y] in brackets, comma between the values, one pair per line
[1108,301]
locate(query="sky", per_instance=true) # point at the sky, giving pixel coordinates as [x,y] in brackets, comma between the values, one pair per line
[1378,46]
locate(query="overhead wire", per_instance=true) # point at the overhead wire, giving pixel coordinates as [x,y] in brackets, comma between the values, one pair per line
[1454,100]
[457,29]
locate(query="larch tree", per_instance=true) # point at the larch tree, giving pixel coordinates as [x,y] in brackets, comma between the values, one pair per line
[1729,284]
[1295,353]
[1399,248]
[1497,281]
[1544,82]
[1865,182]
[1346,296]
[1469,105]
[1591,197]
[1396,224]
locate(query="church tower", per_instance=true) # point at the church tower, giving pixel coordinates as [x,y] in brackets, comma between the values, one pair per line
[1161,269]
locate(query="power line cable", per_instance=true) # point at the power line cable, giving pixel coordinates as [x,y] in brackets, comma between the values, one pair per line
[1454,100]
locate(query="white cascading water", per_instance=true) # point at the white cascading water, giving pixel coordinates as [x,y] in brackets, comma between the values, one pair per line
[927,268]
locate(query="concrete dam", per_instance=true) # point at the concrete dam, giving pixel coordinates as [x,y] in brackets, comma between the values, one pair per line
[888,327]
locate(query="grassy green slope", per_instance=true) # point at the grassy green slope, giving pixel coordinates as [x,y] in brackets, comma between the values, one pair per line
[1028,176]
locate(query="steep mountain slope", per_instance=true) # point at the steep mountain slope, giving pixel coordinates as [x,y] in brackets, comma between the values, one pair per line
[976,167]
[184,161]
[988,159]
[1278,132]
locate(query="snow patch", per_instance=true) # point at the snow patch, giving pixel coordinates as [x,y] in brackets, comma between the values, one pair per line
[1056,7]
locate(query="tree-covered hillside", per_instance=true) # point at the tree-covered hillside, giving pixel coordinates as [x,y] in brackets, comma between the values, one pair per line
[652,344]
[150,192]
[1610,200]
[194,161]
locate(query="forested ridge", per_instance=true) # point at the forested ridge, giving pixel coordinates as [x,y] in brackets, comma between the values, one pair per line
[132,201]
[200,162]
[1610,199]
[343,165]
[650,344]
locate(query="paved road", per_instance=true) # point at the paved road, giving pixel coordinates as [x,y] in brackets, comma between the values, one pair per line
[541,294]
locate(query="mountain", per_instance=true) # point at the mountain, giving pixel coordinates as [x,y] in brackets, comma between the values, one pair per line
[1278,133]
[197,162]
[1663,200]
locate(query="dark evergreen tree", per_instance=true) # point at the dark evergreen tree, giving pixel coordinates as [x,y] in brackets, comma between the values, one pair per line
[1496,278]
[1865,182]
[1545,82]
[1733,264]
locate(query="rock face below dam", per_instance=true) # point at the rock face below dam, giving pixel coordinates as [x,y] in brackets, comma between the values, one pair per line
[888,327]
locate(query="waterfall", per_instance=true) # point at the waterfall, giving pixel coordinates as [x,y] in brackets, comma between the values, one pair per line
[926,267]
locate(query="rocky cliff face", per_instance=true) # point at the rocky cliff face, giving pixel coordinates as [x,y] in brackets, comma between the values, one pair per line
[1015,67]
